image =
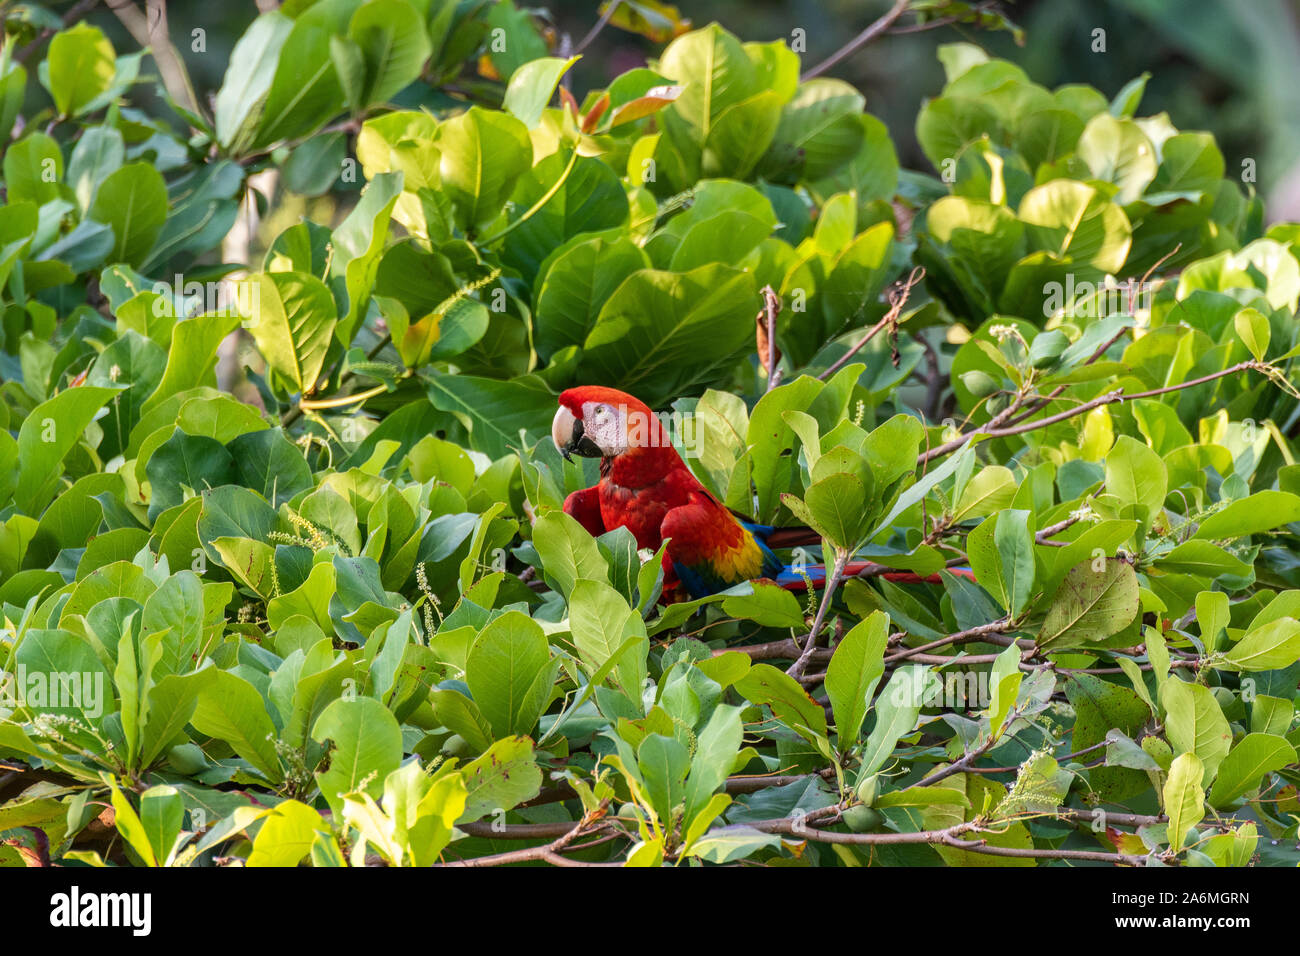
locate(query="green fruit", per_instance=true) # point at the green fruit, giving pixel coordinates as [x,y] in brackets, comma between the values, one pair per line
[1047,348]
[455,746]
[996,404]
[868,790]
[980,384]
[860,819]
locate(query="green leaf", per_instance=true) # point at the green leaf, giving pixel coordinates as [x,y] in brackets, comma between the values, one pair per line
[162,813]
[717,74]
[853,673]
[1195,724]
[358,243]
[192,355]
[580,279]
[532,86]
[127,823]
[1137,476]
[305,92]
[662,334]
[483,155]
[1090,606]
[291,318]
[98,153]
[47,435]
[367,747]
[33,167]
[1254,329]
[510,672]
[601,623]
[715,754]
[897,709]
[1074,221]
[502,417]
[1101,707]
[768,604]
[247,82]
[133,200]
[394,45]
[1004,682]
[1203,559]
[503,777]
[1247,764]
[1001,553]
[790,703]
[590,198]
[80,66]
[1262,511]
[1117,151]
[664,763]
[1184,798]
[230,709]
[1271,647]
[286,835]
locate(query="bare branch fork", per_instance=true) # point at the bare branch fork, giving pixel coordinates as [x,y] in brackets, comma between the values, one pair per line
[898,296]
[799,666]
[1001,426]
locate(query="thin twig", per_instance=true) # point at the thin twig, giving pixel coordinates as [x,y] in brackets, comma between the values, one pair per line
[600,25]
[771,308]
[550,852]
[862,39]
[961,637]
[796,669]
[1098,856]
[897,299]
[1000,427]
[74,14]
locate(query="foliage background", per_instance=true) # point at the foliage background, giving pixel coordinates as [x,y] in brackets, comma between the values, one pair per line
[342,618]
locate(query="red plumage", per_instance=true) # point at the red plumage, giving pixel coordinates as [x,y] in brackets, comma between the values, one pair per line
[648,489]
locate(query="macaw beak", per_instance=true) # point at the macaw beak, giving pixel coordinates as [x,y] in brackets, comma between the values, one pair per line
[569,437]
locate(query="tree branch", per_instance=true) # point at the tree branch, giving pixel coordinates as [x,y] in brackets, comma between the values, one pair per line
[998,426]
[151,32]
[797,668]
[862,39]
[897,299]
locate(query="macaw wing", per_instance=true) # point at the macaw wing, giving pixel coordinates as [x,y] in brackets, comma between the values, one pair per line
[711,551]
[585,506]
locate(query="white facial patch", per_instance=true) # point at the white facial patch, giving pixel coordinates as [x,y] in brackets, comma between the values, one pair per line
[606,426]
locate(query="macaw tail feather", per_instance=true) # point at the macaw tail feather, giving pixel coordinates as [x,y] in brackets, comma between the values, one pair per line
[815,574]
[796,536]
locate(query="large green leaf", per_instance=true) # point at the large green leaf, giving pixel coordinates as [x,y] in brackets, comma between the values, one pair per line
[291,318]
[509,671]
[394,45]
[854,672]
[663,334]
[367,747]
[1090,605]
[133,200]
[242,96]
[79,67]
[231,709]
[484,154]
[47,435]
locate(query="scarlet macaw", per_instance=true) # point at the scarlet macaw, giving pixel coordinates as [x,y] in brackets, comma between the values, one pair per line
[646,487]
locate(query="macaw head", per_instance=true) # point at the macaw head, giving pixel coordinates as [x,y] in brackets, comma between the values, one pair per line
[598,422]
